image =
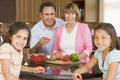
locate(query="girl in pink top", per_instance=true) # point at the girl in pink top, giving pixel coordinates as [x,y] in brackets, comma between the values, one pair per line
[11,52]
[73,37]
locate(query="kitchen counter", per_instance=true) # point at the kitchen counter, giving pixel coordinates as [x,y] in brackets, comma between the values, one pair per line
[57,72]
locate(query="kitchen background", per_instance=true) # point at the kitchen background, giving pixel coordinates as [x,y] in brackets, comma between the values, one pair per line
[93,11]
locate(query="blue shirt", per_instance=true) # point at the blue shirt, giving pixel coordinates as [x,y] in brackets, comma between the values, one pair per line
[113,56]
[39,30]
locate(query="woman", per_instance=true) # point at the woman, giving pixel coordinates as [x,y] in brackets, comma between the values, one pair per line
[73,37]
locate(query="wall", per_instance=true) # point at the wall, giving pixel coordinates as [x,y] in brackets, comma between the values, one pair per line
[7,10]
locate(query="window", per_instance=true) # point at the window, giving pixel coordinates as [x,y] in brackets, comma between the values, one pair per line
[110,12]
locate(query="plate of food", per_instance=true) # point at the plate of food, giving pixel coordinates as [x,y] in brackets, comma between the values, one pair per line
[72,59]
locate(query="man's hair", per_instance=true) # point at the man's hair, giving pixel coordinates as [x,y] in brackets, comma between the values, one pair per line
[47,4]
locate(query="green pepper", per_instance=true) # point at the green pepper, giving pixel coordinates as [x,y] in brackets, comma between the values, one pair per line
[74,57]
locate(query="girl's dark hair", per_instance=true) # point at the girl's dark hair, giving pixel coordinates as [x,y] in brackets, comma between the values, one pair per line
[14,28]
[109,28]
[47,4]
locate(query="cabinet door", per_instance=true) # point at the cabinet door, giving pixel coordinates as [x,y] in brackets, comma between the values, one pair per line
[91,10]
[27,10]
[7,11]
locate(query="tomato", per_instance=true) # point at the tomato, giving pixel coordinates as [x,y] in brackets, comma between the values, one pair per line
[80,78]
[64,58]
[41,71]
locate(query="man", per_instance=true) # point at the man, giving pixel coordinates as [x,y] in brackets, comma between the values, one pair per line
[43,32]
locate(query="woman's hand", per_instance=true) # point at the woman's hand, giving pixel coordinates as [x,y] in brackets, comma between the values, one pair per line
[56,55]
[38,70]
[76,75]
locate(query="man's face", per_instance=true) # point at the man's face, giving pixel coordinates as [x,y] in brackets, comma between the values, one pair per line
[48,16]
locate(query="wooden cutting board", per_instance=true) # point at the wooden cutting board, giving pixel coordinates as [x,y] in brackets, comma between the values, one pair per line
[59,62]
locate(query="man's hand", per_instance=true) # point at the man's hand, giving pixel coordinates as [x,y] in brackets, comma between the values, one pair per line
[44,40]
[37,47]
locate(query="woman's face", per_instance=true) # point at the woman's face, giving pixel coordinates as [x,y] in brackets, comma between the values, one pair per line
[19,40]
[102,39]
[70,17]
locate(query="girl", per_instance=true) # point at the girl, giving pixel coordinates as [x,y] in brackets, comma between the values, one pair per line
[107,55]
[11,52]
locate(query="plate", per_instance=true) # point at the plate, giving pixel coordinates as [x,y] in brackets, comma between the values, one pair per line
[59,62]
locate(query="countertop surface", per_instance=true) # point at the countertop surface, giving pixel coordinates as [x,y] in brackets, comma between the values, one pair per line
[60,72]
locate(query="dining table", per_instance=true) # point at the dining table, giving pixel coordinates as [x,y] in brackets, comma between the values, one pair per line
[57,70]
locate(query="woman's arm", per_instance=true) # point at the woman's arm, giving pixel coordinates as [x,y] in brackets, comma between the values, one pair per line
[83,55]
[112,70]
[86,40]
[87,37]
[6,70]
[57,39]
[56,42]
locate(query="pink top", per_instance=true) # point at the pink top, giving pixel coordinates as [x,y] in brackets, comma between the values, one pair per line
[8,52]
[83,40]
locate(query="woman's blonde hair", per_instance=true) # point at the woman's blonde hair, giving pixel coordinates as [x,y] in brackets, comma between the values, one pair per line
[72,7]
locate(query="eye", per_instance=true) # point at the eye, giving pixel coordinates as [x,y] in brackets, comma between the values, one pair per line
[67,13]
[46,14]
[72,13]
[18,36]
[26,38]
[52,13]
[103,38]
[95,37]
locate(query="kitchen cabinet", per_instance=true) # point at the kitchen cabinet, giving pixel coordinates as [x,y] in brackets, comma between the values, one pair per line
[7,11]
[28,10]
[89,10]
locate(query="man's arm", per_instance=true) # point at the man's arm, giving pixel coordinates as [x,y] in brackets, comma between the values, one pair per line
[37,47]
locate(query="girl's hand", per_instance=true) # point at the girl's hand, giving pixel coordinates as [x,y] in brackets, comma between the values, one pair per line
[76,75]
[39,69]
